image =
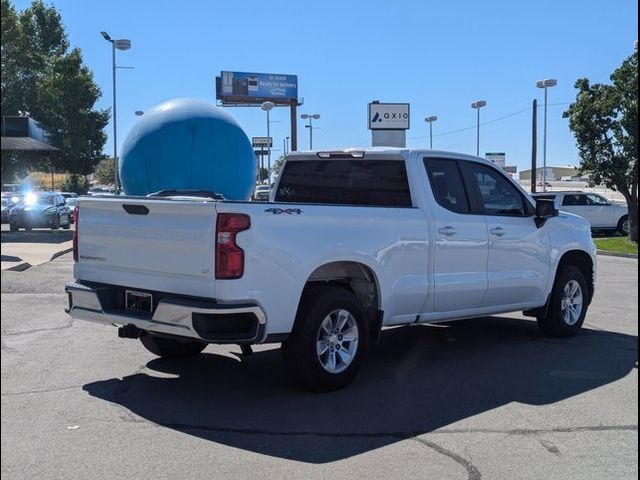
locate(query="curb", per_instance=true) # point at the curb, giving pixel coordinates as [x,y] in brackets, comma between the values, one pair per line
[21,267]
[60,253]
[619,255]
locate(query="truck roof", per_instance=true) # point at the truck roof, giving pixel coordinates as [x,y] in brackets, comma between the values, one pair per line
[357,153]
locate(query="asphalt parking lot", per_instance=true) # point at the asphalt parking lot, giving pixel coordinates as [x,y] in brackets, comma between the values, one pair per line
[484,398]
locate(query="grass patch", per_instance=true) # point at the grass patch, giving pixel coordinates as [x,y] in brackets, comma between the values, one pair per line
[617,245]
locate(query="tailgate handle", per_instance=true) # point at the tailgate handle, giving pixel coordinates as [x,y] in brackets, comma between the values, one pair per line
[135,209]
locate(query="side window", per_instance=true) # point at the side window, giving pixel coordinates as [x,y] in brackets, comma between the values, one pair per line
[574,200]
[446,183]
[496,194]
[597,200]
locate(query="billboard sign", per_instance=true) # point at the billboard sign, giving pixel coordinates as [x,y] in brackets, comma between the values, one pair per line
[253,88]
[262,142]
[497,158]
[388,116]
[512,169]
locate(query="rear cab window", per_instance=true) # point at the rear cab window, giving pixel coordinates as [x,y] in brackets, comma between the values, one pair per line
[377,183]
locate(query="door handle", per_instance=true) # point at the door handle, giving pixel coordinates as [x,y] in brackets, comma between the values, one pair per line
[447,231]
[498,232]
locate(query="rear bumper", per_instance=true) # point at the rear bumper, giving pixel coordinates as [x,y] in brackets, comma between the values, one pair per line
[181,316]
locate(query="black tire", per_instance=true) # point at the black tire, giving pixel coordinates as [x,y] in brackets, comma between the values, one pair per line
[56,223]
[300,352]
[554,323]
[623,226]
[13,227]
[67,226]
[171,349]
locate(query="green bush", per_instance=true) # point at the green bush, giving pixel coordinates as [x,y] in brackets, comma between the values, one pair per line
[75,183]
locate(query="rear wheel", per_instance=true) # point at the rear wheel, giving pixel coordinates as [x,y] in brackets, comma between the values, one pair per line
[329,339]
[568,307]
[624,226]
[67,225]
[171,349]
[56,223]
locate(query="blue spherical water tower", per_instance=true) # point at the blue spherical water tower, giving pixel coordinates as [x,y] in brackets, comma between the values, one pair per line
[188,144]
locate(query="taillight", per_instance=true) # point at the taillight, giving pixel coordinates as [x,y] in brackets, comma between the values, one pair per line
[229,256]
[76,217]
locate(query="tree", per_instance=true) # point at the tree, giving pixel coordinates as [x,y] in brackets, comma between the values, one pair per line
[105,171]
[41,76]
[277,165]
[604,121]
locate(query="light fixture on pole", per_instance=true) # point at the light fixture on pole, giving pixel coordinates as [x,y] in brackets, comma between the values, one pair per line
[139,113]
[545,84]
[430,121]
[478,105]
[120,44]
[305,116]
[267,107]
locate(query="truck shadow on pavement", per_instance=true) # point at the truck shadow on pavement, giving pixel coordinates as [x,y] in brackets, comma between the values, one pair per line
[417,380]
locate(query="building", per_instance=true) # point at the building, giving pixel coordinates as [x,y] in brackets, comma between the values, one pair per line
[553,173]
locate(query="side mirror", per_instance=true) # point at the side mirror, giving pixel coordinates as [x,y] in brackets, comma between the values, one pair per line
[545,209]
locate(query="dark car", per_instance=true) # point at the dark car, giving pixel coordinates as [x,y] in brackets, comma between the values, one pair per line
[40,210]
[72,202]
[6,207]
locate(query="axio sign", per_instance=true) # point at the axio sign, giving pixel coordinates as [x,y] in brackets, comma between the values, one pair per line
[388,116]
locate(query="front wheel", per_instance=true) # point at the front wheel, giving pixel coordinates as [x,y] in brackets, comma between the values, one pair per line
[55,225]
[568,307]
[171,349]
[329,339]
[67,225]
[624,226]
[13,227]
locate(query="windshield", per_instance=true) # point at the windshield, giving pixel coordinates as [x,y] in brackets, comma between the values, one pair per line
[35,199]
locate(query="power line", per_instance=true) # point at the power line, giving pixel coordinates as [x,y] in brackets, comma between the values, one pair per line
[473,127]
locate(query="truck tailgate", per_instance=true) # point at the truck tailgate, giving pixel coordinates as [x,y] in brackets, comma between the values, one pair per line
[150,244]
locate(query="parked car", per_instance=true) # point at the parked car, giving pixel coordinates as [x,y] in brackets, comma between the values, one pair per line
[7,204]
[262,193]
[68,195]
[354,241]
[72,202]
[40,210]
[601,213]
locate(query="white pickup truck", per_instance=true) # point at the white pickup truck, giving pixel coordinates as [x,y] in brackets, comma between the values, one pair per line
[351,241]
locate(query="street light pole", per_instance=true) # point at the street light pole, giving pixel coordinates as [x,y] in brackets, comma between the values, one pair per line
[430,121]
[267,106]
[545,84]
[478,105]
[121,44]
[315,116]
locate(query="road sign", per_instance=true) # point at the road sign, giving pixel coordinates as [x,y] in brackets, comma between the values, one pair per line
[262,153]
[499,158]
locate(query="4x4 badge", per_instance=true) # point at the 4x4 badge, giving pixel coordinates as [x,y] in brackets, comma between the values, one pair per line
[279,211]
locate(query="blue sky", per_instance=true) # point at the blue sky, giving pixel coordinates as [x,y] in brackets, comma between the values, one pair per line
[438,56]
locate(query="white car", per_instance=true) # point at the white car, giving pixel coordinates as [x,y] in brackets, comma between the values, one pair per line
[354,241]
[601,213]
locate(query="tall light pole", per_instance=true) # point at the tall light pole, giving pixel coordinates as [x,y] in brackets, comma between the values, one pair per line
[478,104]
[267,107]
[121,44]
[430,121]
[546,83]
[315,116]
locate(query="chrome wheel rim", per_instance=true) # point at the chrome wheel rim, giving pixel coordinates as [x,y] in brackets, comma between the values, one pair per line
[337,341]
[571,302]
